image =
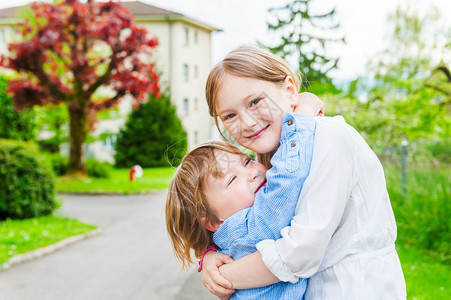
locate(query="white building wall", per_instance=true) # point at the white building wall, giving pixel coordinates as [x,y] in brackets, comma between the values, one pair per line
[196,56]
[6,36]
[161,55]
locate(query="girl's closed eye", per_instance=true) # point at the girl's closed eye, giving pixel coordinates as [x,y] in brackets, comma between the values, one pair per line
[232,179]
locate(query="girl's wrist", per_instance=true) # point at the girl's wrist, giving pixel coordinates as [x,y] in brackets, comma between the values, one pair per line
[201,260]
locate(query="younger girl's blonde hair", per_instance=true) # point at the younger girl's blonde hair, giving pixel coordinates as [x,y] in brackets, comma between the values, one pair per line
[252,62]
[187,208]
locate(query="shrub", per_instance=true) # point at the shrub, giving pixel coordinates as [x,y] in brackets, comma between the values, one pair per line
[94,168]
[49,145]
[97,169]
[15,125]
[59,164]
[441,150]
[26,181]
[153,136]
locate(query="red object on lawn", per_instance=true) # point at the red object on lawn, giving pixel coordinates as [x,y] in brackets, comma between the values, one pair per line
[135,171]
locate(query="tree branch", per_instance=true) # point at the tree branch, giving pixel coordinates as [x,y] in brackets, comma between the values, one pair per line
[440,90]
[444,70]
[104,78]
[108,103]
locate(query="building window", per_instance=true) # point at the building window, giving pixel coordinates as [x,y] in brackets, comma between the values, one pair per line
[185,72]
[195,37]
[2,37]
[185,106]
[196,71]
[110,142]
[196,137]
[196,104]
[186,36]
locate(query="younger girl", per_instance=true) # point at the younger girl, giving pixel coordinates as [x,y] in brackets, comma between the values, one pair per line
[344,230]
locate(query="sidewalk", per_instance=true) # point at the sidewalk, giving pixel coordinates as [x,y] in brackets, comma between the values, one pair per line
[132,259]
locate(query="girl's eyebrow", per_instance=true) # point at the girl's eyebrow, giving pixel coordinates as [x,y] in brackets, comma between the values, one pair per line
[250,96]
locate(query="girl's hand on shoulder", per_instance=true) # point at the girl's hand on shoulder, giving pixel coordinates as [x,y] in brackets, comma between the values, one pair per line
[309,104]
[212,279]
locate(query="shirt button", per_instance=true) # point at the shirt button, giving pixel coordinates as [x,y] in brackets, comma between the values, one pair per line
[293,144]
[290,122]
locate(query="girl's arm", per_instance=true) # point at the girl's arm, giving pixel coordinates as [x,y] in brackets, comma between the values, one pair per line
[253,272]
[310,105]
[246,272]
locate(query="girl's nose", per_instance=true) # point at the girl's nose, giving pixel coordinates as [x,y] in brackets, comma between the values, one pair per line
[253,174]
[248,121]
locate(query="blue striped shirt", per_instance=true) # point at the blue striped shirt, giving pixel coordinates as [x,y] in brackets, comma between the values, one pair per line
[274,205]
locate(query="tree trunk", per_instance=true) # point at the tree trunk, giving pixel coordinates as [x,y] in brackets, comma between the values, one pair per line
[77,117]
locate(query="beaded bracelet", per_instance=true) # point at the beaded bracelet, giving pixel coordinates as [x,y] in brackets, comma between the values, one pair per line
[211,247]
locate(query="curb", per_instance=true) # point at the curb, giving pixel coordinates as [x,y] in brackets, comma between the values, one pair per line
[35,254]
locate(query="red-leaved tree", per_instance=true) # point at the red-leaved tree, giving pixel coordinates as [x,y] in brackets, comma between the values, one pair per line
[69,51]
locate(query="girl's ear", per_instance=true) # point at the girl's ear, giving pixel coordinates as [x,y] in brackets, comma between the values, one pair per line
[290,88]
[211,225]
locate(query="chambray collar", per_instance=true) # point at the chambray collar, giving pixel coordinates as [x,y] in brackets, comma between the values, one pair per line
[294,122]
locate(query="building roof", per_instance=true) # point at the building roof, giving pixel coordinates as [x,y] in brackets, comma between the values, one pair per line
[142,12]
[139,8]
[10,12]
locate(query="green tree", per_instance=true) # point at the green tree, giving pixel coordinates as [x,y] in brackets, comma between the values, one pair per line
[153,136]
[54,120]
[406,97]
[403,70]
[304,39]
[15,125]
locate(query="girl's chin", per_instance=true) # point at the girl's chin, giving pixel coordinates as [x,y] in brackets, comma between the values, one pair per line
[262,148]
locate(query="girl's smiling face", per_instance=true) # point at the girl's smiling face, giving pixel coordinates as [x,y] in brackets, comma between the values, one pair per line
[252,110]
[235,190]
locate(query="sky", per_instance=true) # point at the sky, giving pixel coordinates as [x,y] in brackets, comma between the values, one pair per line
[362,22]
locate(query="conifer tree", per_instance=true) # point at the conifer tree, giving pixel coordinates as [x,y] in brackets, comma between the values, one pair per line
[304,39]
[153,136]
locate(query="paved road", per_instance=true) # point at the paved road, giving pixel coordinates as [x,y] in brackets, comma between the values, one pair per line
[132,259]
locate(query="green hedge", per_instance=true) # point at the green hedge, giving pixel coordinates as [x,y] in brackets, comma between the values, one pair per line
[97,169]
[27,186]
[94,168]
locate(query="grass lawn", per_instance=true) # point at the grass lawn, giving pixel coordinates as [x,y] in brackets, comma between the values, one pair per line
[20,236]
[426,277]
[152,179]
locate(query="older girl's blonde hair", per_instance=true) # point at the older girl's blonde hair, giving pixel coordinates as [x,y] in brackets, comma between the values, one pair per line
[253,62]
[187,208]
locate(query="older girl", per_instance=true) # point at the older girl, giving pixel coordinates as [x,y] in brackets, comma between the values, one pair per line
[344,230]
